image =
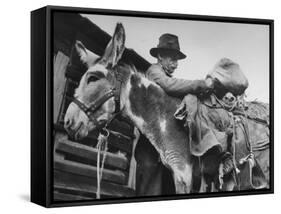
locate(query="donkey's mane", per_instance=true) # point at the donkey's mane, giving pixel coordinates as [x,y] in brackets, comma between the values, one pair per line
[129,69]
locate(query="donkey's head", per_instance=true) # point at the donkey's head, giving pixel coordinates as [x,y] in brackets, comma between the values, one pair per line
[94,104]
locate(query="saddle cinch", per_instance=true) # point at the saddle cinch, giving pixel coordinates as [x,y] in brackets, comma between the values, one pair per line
[225,122]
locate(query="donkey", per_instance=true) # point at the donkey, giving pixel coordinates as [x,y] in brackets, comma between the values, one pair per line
[109,87]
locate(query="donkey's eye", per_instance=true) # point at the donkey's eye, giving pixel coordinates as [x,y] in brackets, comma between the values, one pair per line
[95,76]
[92,79]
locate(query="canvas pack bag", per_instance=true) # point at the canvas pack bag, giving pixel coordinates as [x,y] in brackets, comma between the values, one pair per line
[228,77]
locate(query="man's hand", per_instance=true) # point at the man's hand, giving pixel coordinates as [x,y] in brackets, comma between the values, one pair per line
[209,82]
[206,86]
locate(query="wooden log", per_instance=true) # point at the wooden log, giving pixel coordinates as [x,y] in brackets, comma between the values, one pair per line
[76,149]
[115,176]
[60,64]
[119,142]
[87,187]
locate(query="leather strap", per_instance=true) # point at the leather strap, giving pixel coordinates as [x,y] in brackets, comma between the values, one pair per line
[94,106]
[90,110]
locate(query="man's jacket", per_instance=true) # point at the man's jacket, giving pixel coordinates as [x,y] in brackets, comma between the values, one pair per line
[174,86]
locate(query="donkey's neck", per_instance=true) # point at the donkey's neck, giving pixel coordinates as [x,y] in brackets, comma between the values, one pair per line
[131,90]
[146,104]
[143,100]
[152,111]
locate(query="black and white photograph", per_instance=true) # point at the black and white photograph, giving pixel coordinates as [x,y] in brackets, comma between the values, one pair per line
[140,107]
[150,106]
[159,107]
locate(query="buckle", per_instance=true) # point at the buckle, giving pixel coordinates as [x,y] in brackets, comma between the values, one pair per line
[104,132]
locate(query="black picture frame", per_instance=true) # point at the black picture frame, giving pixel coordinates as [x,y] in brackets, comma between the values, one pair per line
[42,103]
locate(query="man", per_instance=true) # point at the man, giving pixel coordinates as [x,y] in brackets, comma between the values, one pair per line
[168,53]
[152,177]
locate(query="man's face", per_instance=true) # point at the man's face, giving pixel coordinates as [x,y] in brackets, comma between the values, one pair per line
[169,63]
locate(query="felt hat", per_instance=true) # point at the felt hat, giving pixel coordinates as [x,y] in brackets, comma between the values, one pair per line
[169,45]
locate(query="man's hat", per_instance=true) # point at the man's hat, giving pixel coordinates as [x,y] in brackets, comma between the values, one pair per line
[169,44]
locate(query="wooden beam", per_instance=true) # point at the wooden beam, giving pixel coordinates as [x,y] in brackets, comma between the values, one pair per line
[70,26]
[114,176]
[87,152]
[60,64]
[87,187]
[115,140]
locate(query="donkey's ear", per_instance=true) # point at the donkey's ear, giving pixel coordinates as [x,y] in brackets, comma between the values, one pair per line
[86,56]
[115,47]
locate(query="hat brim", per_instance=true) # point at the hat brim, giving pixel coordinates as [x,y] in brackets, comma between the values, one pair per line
[155,51]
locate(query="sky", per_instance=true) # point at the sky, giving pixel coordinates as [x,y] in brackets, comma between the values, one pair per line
[204,43]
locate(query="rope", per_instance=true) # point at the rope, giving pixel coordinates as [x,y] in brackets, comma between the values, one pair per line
[102,147]
[246,126]
[235,139]
[233,108]
[228,107]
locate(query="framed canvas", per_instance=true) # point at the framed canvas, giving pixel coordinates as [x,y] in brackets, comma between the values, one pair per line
[134,106]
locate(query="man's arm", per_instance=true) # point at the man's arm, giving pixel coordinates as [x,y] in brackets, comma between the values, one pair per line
[174,86]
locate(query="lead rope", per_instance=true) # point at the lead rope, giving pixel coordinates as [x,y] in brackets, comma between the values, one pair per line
[102,147]
[250,156]
[233,146]
[235,139]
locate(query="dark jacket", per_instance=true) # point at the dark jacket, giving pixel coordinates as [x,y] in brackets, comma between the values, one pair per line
[174,86]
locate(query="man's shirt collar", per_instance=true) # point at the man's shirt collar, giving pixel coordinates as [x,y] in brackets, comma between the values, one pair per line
[166,72]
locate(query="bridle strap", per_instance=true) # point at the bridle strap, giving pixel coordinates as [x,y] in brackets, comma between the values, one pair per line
[118,85]
[90,110]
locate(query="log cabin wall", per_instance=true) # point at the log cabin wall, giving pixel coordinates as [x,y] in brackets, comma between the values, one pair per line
[75,172]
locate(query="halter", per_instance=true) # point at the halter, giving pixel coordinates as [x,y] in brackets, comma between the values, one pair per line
[93,107]
[104,132]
